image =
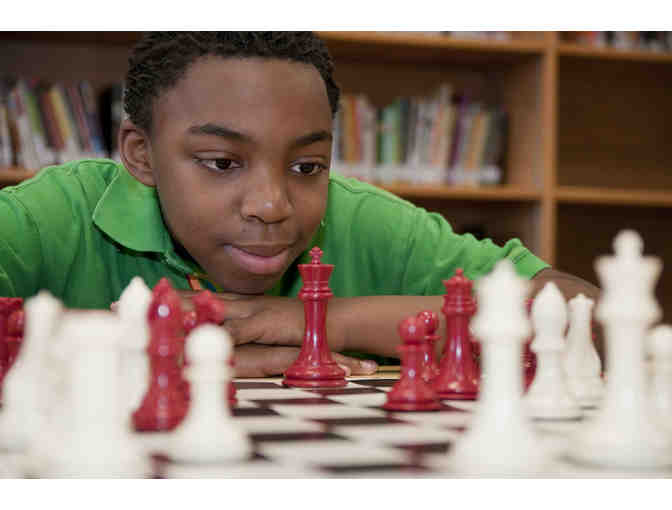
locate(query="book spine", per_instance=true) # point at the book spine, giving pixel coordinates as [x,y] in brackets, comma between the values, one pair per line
[45,155]
[6,152]
[78,115]
[26,152]
[64,122]
[92,119]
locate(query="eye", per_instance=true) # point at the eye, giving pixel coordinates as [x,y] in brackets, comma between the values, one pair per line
[308,168]
[219,164]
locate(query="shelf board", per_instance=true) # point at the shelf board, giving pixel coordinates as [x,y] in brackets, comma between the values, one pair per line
[418,47]
[585,51]
[490,193]
[13,175]
[605,196]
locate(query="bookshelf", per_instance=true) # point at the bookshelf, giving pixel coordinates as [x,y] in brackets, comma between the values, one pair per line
[587,152]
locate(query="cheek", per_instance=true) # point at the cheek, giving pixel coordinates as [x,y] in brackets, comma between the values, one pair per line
[310,207]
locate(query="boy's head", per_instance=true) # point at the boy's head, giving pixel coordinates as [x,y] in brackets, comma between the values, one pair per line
[234,131]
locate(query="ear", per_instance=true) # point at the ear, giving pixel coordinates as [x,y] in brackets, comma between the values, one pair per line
[134,149]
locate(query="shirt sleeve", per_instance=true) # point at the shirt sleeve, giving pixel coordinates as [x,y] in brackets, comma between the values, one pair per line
[20,249]
[435,251]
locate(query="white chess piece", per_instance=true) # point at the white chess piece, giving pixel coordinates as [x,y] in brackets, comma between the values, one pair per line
[500,439]
[208,433]
[132,309]
[549,396]
[660,346]
[93,440]
[25,390]
[625,433]
[582,363]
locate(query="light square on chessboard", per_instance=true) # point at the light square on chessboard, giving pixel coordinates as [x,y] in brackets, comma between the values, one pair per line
[437,419]
[256,469]
[397,433]
[331,452]
[272,394]
[335,410]
[277,424]
[361,399]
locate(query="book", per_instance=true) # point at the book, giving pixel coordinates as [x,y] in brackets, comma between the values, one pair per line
[6,149]
[111,112]
[92,119]
[45,154]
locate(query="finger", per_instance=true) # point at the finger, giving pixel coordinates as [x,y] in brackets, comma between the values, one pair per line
[243,331]
[355,366]
[263,361]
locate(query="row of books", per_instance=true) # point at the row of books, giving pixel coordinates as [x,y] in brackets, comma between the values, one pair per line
[646,41]
[445,138]
[45,123]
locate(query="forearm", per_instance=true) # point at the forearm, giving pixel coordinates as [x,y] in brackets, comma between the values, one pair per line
[369,324]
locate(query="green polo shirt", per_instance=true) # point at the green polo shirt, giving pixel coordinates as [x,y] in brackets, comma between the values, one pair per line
[83,229]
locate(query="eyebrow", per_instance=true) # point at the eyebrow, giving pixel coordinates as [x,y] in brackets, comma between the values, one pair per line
[231,134]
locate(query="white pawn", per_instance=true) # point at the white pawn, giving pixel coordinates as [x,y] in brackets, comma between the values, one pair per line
[90,438]
[582,363]
[660,345]
[500,440]
[25,389]
[625,433]
[208,433]
[132,309]
[548,396]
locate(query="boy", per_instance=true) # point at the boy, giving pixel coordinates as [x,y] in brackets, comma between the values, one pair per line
[225,179]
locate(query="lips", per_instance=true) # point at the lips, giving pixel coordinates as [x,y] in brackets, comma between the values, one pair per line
[260,259]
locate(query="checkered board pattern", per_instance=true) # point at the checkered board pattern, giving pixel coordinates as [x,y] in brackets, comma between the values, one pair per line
[344,433]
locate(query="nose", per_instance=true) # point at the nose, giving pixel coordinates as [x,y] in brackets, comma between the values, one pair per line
[266,199]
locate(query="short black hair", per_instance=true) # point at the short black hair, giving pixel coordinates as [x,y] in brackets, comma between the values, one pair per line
[159,59]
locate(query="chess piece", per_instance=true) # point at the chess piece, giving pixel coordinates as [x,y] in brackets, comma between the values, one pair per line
[94,440]
[411,392]
[500,440]
[164,404]
[582,363]
[15,328]
[132,310]
[208,309]
[25,390]
[458,373]
[430,369]
[7,307]
[625,432]
[208,433]
[314,367]
[660,346]
[549,397]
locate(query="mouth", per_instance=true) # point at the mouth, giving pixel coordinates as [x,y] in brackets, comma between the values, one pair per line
[260,259]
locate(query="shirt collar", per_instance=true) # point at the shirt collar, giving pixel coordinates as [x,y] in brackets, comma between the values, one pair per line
[129,212]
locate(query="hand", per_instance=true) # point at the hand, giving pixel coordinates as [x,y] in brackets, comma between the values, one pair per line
[252,360]
[267,320]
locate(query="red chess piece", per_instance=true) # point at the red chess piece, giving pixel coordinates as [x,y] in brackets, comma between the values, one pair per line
[431,321]
[314,367]
[15,328]
[459,376]
[411,392]
[208,309]
[163,406]
[8,305]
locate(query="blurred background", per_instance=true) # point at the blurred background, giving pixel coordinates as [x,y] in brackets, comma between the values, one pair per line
[560,139]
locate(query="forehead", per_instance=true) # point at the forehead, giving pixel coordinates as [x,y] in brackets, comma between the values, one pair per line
[248,93]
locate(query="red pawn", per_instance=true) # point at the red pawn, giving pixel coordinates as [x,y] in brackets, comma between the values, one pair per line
[163,407]
[208,309]
[459,376]
[431,321]
[411,392]
[314,367]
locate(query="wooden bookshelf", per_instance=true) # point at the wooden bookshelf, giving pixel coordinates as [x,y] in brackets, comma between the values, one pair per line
[588,151]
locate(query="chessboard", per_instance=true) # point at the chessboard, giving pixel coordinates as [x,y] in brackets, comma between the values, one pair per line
[344,433]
